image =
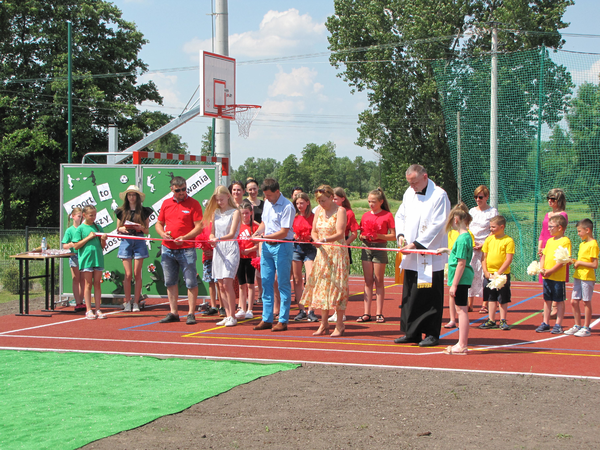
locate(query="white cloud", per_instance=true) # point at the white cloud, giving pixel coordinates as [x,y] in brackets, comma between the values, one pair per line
[281,108]
[279,33]
[167,87]
[590,75]
[299,82]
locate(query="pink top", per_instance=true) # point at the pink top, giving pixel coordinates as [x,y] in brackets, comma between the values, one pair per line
[545,233]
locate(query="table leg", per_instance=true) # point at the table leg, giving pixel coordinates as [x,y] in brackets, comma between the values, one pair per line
[47,293]
[20,286]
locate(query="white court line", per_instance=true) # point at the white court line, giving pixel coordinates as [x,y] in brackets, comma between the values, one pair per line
[287,361]
[206,344]
[72,320]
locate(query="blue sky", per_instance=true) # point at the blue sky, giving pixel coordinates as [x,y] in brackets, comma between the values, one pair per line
[303,100]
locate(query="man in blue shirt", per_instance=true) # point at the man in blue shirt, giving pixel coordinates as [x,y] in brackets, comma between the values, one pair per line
[276,257]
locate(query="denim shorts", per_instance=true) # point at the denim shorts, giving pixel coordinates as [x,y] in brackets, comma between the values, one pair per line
[554,291]
[133,249]
[92,269]
[583,289]
[207,272]
[174,260]
[74,260]
[304,252]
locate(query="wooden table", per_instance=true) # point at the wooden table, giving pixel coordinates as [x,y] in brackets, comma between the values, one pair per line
[24,279]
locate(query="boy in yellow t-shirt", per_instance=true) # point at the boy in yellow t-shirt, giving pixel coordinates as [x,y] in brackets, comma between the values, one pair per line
[554,274]
[498,252]
[584,278]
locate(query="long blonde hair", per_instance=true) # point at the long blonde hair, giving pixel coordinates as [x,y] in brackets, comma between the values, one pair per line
[462,212]
[212,206]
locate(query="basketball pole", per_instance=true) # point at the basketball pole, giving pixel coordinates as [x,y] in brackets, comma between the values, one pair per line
[222,129]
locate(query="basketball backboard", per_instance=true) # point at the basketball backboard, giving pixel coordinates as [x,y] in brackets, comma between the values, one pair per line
[217,85]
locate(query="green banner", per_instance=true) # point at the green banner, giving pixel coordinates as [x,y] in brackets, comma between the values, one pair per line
[84,184]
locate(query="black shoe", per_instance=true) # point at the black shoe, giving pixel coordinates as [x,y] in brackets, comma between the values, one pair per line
[210,312]
[191,319]
[429,341]
[406,340]
[301,315]
[222,312]
[170,318]
[312,317]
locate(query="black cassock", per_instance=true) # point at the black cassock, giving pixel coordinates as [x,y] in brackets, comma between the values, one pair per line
[421,309]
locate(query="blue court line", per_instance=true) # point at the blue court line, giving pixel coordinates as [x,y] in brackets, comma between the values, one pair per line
[486,317]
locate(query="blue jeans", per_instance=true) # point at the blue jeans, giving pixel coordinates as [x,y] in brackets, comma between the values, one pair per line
[173,260]
[276,259]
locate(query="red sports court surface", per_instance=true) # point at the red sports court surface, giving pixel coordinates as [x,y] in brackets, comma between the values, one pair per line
[520,350]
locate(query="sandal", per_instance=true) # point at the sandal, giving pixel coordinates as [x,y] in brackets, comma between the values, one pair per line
[450,325]
[364,318]
[380,318]
[483,310]
[458,352]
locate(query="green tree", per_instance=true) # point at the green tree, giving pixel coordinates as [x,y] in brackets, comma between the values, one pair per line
[584,124]
[318,165]
[257,168]
[33,69]
[386,48]
[206,143]
[290,176]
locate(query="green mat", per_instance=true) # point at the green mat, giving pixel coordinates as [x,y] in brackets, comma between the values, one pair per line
[66,400]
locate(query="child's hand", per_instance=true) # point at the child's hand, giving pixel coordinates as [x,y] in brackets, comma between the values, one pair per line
[576,263]
[487,274]
[103,237]
[91,235]
[452,291]
[443,250]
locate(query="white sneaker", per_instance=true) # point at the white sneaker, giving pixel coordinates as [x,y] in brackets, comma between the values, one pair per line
[241,314]
[249,315]
[127,307]
[584,332]
[230,322]
[222,322]
[573,330]
[334,318]
[136,307]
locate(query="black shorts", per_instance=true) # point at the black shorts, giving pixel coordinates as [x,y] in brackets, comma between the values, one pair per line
[501,296]
[246,271]
[462,295]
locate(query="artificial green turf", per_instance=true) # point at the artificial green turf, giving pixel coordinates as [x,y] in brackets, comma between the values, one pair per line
[66,400]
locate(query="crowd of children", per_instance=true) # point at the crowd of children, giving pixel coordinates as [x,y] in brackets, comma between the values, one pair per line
[229,255]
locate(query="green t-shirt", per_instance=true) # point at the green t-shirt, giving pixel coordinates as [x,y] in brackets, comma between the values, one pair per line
[90,255]
[68,237]
[462,249]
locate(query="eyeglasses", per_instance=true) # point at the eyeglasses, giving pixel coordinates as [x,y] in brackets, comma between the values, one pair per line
[552,226]
[480,197]
[179,190]
[551,199]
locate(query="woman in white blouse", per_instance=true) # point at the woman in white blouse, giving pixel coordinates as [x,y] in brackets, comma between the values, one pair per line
[480,227]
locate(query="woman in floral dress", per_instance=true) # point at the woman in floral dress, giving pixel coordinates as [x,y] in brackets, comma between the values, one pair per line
[327,285]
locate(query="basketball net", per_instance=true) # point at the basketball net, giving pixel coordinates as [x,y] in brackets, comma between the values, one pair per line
[244,116]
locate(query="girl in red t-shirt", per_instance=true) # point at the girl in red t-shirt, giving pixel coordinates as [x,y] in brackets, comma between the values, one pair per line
[376,228]
[246,271]
[304,252]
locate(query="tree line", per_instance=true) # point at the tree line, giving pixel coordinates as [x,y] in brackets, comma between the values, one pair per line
[316,165]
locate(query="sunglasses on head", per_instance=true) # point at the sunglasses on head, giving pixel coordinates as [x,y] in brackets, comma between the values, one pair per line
[480,197]
[553,199]
[179,190]
[319,191]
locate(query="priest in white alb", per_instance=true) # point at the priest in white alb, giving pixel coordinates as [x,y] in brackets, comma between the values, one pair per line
[420,224]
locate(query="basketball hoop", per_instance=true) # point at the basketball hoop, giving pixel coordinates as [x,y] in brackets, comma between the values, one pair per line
[244,115]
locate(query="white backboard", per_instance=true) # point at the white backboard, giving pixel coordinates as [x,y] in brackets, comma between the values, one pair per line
[217,85]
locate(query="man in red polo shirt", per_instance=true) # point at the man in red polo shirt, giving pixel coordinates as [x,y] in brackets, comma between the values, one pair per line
[179,222]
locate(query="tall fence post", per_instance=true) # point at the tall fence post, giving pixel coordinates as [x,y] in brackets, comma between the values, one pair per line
[539,152]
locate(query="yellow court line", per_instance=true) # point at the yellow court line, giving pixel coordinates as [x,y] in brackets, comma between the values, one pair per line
[300,341]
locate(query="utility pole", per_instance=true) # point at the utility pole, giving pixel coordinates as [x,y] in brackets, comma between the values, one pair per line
[222,129]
